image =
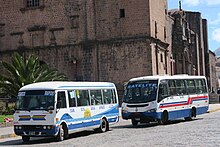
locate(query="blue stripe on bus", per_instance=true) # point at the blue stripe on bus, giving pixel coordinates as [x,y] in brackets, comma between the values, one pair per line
[182,102]
[89,124]
[109,113]
[24,119]
[88,118]
[172,114]
[173,103]
[200,99]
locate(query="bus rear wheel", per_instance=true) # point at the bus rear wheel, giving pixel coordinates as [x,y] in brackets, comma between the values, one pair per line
[134,122]
[104,126]
[192,115]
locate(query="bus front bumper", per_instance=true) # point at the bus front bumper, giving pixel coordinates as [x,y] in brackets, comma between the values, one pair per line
[141,116]
[36,131]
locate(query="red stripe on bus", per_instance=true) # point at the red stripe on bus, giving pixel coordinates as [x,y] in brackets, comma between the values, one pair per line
[190,100]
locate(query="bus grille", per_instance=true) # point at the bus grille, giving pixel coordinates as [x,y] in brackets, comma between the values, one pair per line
[32,128]
[140,105]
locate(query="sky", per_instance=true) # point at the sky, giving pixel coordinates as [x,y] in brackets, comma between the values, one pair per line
[210,10]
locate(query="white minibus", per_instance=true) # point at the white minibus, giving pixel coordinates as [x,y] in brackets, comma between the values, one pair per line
[60,108]
[164,98]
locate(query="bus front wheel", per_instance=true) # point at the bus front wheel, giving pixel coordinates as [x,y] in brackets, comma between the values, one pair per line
[134,122]
[60,135]
[25,138]
[164,118]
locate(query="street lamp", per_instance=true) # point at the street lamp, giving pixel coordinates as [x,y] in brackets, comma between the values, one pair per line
[74,62]
[194,70]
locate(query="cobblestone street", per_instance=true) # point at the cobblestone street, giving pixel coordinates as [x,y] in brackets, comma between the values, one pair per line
[204,131]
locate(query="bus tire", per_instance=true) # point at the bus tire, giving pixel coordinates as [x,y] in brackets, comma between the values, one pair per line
[134,122]
[60,135]
[164,118]
[192,115]
[65,130]
[104,126]
[25,138]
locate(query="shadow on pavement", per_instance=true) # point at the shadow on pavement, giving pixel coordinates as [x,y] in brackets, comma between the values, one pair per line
[153,124]
[43,140]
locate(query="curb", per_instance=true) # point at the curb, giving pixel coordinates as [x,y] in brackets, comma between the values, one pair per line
[8,136]
[213,110]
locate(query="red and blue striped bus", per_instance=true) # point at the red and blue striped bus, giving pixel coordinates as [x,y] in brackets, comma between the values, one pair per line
[164,98]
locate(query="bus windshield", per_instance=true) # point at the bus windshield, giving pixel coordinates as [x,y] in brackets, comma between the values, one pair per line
[35,100]
[141,91]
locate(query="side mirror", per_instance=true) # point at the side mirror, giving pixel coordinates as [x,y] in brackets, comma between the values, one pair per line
[13,111]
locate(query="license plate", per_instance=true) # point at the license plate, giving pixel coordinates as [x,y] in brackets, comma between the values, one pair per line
[31,133]
[137,119]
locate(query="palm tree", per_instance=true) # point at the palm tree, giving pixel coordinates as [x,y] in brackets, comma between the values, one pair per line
[22,72]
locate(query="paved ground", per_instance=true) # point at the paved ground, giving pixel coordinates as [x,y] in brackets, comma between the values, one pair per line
[7,132]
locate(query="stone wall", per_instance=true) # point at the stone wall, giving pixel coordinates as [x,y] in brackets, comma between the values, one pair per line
[212,80]
[76,37]
[214,98]
[195,23]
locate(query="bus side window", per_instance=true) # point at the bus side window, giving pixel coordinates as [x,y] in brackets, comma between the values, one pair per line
[107,96]
[205,90]
[72,98]
[191,86]
[61,99]
[200,86]
[83,98]
[163,91]
[96,97]
[180,87]
[114,97]
[172,87]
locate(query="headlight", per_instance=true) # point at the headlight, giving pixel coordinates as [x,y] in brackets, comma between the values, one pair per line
[19,127]
[151,110]
[124,111]
[47,127]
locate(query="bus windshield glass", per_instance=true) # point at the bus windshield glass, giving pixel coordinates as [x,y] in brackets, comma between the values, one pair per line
[141,91]
[35,100]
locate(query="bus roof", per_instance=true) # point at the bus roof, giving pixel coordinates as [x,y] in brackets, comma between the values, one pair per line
[66,85]
[159,77]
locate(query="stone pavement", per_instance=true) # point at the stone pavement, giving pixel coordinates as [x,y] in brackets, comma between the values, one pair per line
[7,132]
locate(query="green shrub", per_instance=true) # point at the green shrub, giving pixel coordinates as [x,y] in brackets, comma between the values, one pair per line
[9,110]
[2,107]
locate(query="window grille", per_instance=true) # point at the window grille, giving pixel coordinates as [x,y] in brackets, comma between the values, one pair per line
[32,3]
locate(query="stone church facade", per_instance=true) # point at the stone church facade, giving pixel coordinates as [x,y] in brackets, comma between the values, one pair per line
[97,40]
[190,45]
